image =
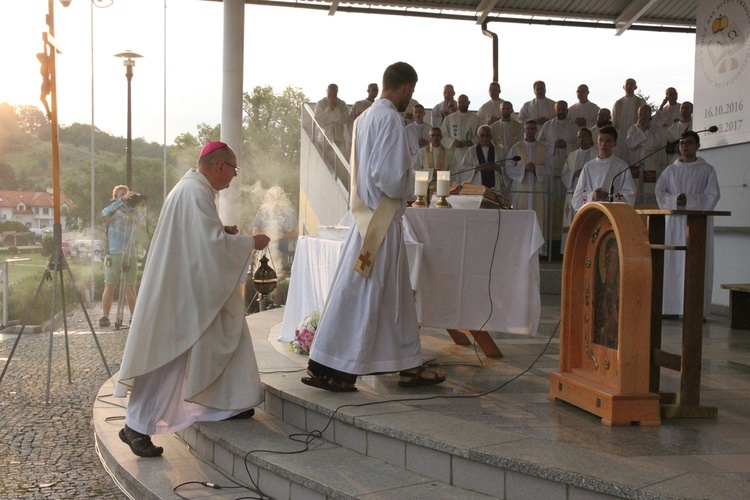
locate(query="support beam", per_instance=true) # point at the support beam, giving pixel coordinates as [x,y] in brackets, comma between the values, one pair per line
[333,8]
[631,14]
[231,103]
[484,9]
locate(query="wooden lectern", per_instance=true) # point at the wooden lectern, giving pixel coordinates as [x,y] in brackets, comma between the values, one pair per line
[605,333]
[688,362]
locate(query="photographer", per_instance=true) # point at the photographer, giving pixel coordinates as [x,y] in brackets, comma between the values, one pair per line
[120,261]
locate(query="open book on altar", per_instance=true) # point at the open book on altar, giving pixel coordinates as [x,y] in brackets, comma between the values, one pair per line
[490,199]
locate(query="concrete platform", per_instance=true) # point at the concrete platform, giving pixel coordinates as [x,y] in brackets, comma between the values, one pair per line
[488,431]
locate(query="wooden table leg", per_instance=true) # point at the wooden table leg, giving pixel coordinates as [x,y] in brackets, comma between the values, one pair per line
[692,325]
[486,343]
[655,226]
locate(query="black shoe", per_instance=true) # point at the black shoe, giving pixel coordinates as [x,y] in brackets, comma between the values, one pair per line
[243,415]
[140,444]
[104,322]
[670,316]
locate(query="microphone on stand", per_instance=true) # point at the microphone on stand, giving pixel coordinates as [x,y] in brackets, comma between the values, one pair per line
[711,129]
[487,166]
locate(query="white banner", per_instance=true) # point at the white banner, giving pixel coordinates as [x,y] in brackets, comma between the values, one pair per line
[722,71]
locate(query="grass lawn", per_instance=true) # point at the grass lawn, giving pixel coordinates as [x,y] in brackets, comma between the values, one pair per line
[35,267]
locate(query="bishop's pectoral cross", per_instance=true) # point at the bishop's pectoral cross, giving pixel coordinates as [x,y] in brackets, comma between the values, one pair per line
[364,260]
[619,197]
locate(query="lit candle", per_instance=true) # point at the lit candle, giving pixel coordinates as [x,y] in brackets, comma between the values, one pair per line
[443,183]
[420,182]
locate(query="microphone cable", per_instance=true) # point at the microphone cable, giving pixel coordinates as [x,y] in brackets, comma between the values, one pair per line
[307,438]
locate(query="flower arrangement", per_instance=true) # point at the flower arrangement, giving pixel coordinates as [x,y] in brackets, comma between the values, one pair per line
[304,334]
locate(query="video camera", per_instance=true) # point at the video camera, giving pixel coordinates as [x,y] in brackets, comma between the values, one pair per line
[136,199]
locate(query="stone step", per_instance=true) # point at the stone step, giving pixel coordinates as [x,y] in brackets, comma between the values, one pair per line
[306,467]
[220,453]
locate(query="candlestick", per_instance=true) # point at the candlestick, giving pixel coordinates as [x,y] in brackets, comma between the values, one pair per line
[443,188]
[421,179]
[443,183]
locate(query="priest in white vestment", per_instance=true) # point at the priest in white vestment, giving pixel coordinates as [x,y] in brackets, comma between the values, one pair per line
[445,107]
[489,112]
[359,106]
[529,175]
[584,112]
[484,152]
[603,118]
[435,157]
[539,109]
[669,110]
[332,114]
[418,131]
[688,184]
[570,174]
[506,131]
[644,140]
[559,136]
[675,131]
[598,175]
[189,356]
[369,322]
[625,114]
[408,113]
[460,129]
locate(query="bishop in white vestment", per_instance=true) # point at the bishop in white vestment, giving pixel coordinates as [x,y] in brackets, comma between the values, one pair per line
[189,356]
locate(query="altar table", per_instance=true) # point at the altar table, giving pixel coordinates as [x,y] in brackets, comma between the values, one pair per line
[471,269]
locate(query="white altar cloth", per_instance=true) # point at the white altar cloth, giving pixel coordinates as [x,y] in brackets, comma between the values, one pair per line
[314,264]
[449,253]
[467,250]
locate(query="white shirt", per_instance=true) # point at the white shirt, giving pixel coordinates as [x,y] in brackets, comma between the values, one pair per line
[598,173]
[488,110]
[416,131]
[587,110]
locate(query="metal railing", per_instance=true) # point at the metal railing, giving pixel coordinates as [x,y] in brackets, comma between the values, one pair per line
[336,161]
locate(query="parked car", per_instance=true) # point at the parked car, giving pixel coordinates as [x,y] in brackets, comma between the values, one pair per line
[81,249]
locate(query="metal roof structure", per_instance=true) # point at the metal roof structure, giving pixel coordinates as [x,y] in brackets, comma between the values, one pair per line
[677,16]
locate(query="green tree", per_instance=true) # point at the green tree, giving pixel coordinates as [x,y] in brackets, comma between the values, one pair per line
[187,146]
[12,225]
[7,176]
[30,119]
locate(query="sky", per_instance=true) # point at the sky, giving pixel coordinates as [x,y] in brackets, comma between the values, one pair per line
[308,49]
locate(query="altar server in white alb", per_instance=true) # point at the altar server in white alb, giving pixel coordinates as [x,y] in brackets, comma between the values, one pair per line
[597,175]
[189,356]
[369,322]
[688,184]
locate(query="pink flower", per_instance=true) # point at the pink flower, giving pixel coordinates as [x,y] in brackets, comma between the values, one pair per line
[305,333]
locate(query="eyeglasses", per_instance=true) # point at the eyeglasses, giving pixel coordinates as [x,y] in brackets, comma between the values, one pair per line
[235,167]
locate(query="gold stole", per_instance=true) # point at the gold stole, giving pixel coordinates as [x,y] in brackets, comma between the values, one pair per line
[429,160]
[371,224]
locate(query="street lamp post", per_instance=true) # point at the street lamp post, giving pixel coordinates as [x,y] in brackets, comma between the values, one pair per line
[129,63]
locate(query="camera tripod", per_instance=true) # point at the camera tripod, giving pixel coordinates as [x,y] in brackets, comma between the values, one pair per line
[54,271]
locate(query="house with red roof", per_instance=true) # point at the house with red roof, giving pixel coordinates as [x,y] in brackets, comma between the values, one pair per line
[34,209]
